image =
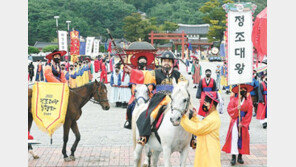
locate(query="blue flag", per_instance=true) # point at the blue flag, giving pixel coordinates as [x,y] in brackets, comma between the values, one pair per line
[82,48]
[190,47]
[222,50]
[106,47]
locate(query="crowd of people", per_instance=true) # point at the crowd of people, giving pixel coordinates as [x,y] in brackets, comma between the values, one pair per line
[205,131]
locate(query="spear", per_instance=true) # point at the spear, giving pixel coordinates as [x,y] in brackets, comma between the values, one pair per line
[118,51]
[116,48]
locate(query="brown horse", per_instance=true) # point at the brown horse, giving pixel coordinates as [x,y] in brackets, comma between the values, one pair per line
[78,97]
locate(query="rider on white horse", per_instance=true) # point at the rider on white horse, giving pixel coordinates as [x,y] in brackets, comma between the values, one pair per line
[162,81]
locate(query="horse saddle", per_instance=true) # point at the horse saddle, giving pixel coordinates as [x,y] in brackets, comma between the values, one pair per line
[157,122]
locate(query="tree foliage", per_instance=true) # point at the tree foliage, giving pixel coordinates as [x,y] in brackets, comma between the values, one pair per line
[50,48]
[32,49]
[92,17]
[215,15]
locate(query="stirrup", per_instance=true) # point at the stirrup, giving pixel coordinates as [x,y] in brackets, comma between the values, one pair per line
[142,141]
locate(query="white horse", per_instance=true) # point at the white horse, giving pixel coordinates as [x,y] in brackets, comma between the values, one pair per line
[141,98]
[172,136]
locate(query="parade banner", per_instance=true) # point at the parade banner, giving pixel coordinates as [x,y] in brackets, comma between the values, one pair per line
[82,48]
[63,45]
[89,45]
[49,105]
[239,42]
[75,45]
[96,47]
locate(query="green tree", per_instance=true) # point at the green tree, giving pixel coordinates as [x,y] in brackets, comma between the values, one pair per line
[169,26]
[215,15]
[50,48]
[32,49]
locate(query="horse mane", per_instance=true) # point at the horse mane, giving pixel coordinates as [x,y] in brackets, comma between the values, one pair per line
[178,87]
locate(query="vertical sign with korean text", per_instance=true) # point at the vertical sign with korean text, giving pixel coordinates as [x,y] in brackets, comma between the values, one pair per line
[96,47]
[89,45]
[63,45]
[239,42]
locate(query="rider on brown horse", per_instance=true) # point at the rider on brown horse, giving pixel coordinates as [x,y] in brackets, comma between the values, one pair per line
[53,72]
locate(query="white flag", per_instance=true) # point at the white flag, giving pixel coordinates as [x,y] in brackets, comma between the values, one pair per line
[89,45]
[240,47]
[96,47]
[63,44]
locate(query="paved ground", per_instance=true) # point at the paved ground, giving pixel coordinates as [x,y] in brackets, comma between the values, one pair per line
[104,141]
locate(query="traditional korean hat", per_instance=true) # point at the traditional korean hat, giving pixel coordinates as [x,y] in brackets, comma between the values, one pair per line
[148,56]
[246,86]
[167,55]
[61,53]
[194,57]
[88,59]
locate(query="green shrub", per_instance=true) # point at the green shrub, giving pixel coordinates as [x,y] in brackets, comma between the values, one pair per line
[32,49]
[50,48]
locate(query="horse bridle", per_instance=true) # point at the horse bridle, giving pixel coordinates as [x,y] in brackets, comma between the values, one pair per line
[186,108]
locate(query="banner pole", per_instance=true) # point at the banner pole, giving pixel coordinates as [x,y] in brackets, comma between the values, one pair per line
[239,117]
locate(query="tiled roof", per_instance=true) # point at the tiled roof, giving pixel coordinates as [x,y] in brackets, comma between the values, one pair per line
[140,46]
[193,29]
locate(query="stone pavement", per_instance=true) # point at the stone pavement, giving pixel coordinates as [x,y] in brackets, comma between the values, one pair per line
[123,156]
[103,137]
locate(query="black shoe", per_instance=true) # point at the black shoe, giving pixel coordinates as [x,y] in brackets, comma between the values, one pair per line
[254,115]
[127,125]
[227,92]
[233,160]
[118,104]
[240,159]
[124,105]
[264,125]
[194,86]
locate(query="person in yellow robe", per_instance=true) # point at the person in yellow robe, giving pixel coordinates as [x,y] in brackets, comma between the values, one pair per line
[208,149]
[85,78]
[79,75]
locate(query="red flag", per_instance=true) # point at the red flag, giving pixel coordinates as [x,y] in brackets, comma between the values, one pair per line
[109,47]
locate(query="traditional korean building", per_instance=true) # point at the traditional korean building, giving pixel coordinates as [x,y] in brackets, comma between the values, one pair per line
[196,35]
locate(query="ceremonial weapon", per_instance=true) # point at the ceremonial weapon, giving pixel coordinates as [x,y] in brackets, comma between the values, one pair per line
[118,51]
[116,48]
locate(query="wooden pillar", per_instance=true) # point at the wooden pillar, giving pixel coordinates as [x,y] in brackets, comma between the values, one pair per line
[152,38]
[183,44]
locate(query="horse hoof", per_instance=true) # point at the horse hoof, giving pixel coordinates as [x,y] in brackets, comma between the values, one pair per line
[35,156]
[67,159]
[72,158]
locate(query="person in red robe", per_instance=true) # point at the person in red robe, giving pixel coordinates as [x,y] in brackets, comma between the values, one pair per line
[103,76]
[196,71]
[97,65]
[238,137]
[262,105]
[100,63]
[205,85]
